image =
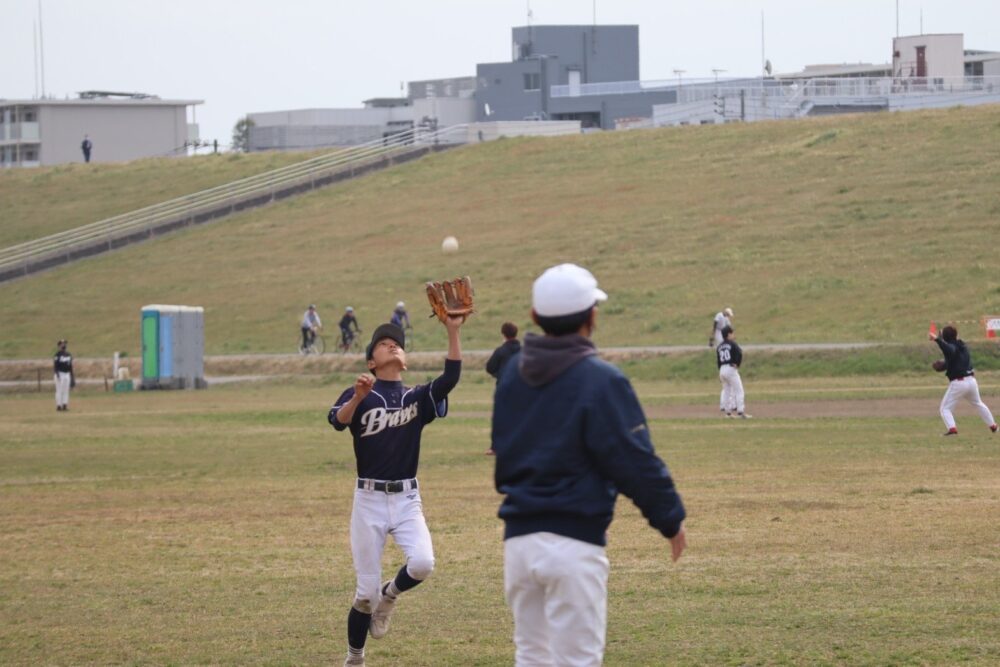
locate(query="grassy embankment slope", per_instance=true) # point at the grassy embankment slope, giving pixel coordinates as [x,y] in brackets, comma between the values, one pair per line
[857,228]
[39,202]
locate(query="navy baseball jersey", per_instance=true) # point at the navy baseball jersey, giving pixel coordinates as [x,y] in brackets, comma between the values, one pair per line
[728,353]
[388,423]
[62,362]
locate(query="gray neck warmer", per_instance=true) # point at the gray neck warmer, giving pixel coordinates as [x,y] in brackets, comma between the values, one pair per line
[544,358]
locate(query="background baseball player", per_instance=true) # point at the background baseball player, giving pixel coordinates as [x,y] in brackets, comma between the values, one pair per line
[729,356]
[723,318]
[386,419]
[501,355]
[961,379]
[569,435]
[62,363]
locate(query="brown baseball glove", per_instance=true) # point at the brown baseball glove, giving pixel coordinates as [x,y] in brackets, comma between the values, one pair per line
[939,365]
[452,298]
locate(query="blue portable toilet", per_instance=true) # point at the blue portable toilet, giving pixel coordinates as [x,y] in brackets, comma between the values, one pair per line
[173,347]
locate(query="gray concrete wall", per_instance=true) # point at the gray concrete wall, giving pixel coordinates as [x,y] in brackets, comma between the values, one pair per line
[501,85]
[118,132]
[599,53]
[610,106]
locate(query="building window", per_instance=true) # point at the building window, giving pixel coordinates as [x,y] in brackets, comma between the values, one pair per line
[532,81]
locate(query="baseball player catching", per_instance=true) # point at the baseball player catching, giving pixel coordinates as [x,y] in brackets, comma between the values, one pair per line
[723,318]
[961,379]
[386,419]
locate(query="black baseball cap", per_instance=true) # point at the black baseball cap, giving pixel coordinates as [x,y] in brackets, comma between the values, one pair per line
[386,330]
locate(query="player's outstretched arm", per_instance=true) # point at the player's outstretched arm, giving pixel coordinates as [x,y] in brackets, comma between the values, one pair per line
[362,387]
[453,324]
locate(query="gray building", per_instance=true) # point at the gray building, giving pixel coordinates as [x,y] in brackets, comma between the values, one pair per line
[569,57]
[120,126]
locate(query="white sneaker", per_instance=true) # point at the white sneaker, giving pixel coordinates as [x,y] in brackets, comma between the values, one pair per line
[354,661]
[744,415]
[380,617]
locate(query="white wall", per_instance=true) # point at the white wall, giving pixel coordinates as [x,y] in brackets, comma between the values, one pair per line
[118,132]
[448,110]
[944,54]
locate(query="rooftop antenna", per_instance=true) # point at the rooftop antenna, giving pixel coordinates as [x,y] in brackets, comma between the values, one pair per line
[34,34]
[595,13]
[897,18]
[763,60]
[921,20]
[41,46]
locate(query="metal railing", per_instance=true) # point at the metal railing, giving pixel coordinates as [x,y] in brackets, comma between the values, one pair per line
[691,90]
[119,230]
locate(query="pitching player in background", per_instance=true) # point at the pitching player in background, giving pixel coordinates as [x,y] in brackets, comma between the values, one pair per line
[961,379]
[729,356]
[569,436]
[386,419]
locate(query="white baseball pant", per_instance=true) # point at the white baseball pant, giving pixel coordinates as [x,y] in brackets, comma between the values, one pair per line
[557,589]
[968,389]
[732,389]
[376,515]
[62,388]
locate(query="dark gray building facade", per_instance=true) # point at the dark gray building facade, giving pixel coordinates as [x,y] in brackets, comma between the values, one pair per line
[571,56]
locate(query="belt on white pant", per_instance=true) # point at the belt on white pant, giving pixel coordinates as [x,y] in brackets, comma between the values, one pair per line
[394,486]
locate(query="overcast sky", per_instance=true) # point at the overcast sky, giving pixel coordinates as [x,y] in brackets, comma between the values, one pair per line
[250,55]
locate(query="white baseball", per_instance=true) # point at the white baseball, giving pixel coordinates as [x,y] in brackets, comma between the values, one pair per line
[450,244]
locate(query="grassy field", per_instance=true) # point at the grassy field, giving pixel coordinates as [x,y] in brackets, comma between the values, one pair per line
[38,202]
[211,528]
[859,228]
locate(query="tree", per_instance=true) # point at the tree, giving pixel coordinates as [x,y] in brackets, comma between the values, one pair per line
[241,134]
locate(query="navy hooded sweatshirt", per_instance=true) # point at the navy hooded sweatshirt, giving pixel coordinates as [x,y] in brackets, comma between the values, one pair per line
[569,436]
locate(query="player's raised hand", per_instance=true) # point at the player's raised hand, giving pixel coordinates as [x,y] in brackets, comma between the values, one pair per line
[454,321]
[363,385]
[677,544]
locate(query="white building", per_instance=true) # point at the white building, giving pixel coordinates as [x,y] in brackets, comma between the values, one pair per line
[929,56]
[120,127]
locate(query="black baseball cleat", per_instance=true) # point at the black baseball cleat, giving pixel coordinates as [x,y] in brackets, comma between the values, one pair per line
[951,431]
[994,428]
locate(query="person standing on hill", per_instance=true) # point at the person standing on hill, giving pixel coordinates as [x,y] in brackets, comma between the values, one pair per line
[63,375]
[495,365]
[729,356]
[85,147]
[570,435]
[961,380]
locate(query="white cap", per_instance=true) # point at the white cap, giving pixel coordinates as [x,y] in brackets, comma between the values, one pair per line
[400,305]
[728,312]
[564,290]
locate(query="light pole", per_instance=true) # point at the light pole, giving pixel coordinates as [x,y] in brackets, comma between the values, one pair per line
[678,72]
[716,73]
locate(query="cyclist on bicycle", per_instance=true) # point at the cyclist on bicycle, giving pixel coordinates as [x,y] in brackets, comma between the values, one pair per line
[400,317]
[310,325]
[346,335]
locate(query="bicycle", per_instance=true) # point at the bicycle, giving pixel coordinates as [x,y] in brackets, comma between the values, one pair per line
[351,344]
[317,346]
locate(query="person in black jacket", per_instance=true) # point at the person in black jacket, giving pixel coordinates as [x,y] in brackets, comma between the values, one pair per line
[569,435]
[961,380]
[495,365]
